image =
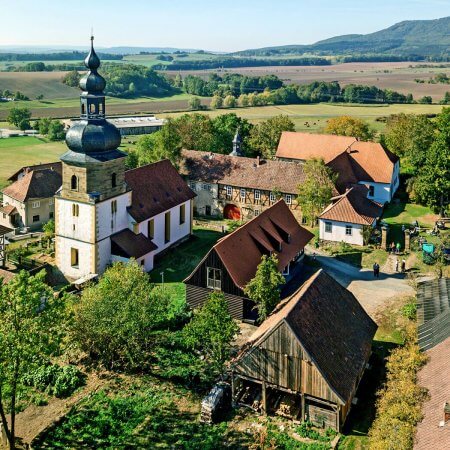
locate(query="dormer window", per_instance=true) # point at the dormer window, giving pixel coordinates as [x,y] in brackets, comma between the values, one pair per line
[74,183]
[371,191]
[288,199]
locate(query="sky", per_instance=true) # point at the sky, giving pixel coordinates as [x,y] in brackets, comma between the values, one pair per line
[226,25]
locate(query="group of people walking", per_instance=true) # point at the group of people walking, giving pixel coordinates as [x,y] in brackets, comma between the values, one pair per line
[398,265]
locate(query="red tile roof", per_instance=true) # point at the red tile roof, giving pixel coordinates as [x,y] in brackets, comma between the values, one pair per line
[353,207]
[8,209]
[331,326]
[130,245]
[369,160]
[156,188]
[242,172]
[35,184]
[241,250]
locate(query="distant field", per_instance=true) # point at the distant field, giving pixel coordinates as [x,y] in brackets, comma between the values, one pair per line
[398,76]
[313,118]
[16,152]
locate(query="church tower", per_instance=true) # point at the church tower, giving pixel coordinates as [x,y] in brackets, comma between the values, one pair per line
[237,145]
[92,204]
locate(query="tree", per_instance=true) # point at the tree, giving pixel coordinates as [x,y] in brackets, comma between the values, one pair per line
[224,129]
[72,78]
[43,125]
[264,288]
[49,228]
[30,332]
[265,136]
[115,320]
[426,99]
[40,97]
[216,102]
[212,330]
[229,101]
[315,192]
[195,103]
[19,117]
[446,99]
[56,131]
[349,126]
[243,100]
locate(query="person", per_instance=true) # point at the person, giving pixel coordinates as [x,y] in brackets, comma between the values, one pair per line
[403,265]
[376,270]
[397,248]
[392,247]
[417,224]
[403,228]
[397,262]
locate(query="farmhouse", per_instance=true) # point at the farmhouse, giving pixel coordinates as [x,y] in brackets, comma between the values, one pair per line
[104,213]
[28,202]
[355,162]
[238,187]
[306,360]
[233,261]
[345,218]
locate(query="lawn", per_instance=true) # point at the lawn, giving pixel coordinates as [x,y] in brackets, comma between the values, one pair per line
[17,152]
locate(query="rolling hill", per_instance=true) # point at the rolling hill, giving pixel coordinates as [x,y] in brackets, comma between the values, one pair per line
[411,38]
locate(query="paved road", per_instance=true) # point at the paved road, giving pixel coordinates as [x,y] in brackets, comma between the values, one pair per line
[371,292]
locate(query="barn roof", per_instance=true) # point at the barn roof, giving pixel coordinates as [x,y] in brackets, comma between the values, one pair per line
[330,325]
[156,188]
[275,230]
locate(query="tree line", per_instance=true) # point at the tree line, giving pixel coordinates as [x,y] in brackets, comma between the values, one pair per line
[56,56]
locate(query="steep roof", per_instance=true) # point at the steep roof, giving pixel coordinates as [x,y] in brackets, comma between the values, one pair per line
[330,325]
[156,188]
[242,172]
[353,207]
[130,245]
[8,209]
[241,250]
[35,184]
[56,166]
[369,161]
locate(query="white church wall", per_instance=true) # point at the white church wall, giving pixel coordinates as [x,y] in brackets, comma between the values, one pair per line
[108,222]
[75,227]
[85,257]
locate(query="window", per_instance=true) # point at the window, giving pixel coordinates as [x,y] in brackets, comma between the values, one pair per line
[74,261]
[288,199]
[35,204]
[143,262]
[304,220]
[229,190]
[36,218]
[256,212]
[113,180]
[371,191]
[348,230]
[74,183]
[167,227]
[257,195]
[213,278]
[114,207]
[207,210]
[51,215]
[206,187]
[151,229]
[242,193]
[50,202]
[328,227]
[182,214]
[193,186]
[75,210]
[83,109]
[272,197]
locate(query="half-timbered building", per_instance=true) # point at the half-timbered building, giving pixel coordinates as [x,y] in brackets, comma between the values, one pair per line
[233,261]
[306,360]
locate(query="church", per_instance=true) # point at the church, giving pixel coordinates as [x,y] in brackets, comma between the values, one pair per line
[103,212]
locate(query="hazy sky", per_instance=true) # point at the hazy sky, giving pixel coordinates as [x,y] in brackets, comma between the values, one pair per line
[207,24]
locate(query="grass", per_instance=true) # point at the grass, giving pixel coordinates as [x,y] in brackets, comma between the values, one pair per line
[16,152]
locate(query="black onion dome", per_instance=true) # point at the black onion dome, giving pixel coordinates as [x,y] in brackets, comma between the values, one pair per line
[92,82]
[92,61]
[93,136]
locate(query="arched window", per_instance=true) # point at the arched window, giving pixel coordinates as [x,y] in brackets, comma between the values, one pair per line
[74,183]
[92,108]
[113,180]
[100,108]
[83,109]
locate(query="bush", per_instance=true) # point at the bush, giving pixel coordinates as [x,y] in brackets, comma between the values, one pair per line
[410,310]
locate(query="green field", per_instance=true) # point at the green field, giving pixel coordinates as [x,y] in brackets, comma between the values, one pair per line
[17,152]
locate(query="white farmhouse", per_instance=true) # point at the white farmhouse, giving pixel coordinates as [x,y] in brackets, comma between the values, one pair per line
[104,213]
[344,219]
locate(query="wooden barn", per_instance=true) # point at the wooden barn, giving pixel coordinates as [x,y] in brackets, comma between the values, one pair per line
[306,360]
[233,261]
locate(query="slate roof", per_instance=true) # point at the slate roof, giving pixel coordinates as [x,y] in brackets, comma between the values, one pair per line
[353,207]
[156,188]
[130,245]
[4,230]
[366,161]
[56,166]
[35,184]
[241,250]
[239,171]
[433,312]
[330,325]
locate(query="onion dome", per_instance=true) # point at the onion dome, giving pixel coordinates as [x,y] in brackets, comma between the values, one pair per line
[92,82]
[93,136]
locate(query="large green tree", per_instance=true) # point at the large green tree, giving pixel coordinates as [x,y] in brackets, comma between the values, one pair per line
[316,190]
[115,321]
[265,136]
[212,330]
[349,126]
[225,126]
[264,288]
[19,117]
[30,332]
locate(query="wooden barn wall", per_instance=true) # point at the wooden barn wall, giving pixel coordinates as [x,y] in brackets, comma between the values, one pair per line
[280,360]
[213,260]
[196,297]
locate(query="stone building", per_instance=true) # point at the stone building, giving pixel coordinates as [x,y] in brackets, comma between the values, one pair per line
[104,213]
